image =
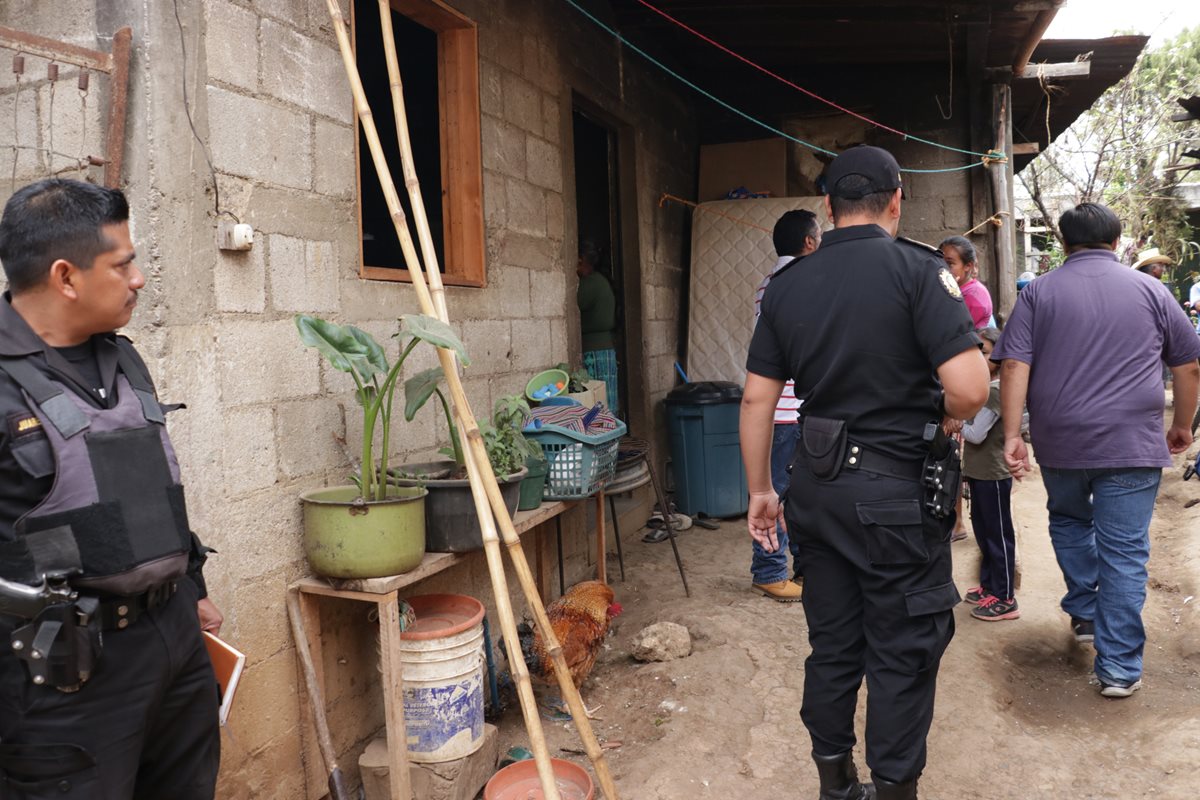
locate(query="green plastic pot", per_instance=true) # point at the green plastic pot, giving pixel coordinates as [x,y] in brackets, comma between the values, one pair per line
[534,484]
[347,538]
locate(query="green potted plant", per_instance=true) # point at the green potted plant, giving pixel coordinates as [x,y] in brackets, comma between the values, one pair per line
[451,524]
[371,528]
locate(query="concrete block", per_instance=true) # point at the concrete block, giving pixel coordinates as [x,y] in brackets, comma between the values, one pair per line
[239,280]
[491,88]
[259,140]
[550,289]
[300,70]
[495,203]
[503,147]
[495,44]
[267,704]
[461,779]
[260,532]
[512,286]
[276,210]
[559,349]
[275,771]
[304,436]
[522,103]
[533,252]
[24,133]
[544,164]
[264,362]
[292,11]
[248,459]
[555,212]
[256,614]
[304,275]
[531,345]
[526,208]
[489,343]
[231,44]
[548,74]
[957,213]
[551,119]
[922,214]
[334,170]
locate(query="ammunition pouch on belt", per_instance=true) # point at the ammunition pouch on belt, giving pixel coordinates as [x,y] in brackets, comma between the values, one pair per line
[824,441]
[941,474]
[62,644]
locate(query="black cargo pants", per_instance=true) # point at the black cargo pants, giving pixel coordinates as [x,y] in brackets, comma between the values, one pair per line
[878,594]
[143,728]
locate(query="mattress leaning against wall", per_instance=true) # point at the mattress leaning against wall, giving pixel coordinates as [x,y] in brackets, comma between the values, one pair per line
[730,257]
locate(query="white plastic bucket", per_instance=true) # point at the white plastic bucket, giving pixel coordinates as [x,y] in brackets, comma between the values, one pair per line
[441,662]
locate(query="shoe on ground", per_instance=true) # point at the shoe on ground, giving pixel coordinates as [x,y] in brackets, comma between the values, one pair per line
[782,591]
[1118,689]
[973,596]
[1084,630]
[993,609]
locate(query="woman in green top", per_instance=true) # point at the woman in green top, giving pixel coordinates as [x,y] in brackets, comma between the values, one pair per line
[597,320]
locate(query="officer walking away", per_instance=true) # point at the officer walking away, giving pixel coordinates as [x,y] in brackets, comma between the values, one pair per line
[874,479]
[106,689]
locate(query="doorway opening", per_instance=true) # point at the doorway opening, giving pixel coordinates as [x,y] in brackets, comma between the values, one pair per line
[598,221]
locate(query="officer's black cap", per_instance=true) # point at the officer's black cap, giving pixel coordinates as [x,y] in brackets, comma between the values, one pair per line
[873,163]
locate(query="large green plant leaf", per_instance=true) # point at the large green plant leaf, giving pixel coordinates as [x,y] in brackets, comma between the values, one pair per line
[434,331]
[418,389]
[347,348]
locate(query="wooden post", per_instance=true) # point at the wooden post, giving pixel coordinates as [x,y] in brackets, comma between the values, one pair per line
[399,776]
[601,544]
[1000,175]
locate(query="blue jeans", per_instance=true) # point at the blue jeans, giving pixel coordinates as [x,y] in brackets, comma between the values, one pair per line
[773,567]
[1100,529]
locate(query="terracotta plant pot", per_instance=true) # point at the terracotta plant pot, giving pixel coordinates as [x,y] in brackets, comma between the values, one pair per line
[519,781]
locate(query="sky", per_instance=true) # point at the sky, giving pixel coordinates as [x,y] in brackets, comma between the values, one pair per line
[1090,19]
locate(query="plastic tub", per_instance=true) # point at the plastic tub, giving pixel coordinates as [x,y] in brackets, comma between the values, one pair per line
[550,376]
[519,781]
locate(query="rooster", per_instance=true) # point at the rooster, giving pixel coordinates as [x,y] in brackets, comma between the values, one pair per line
[580,620]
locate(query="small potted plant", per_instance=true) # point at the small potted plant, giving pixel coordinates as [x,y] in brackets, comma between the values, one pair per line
[368,529]
[451,524]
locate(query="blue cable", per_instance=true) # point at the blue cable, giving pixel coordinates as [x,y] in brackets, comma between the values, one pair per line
[738,111]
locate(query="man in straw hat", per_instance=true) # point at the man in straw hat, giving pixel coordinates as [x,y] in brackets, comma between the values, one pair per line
[1151,262]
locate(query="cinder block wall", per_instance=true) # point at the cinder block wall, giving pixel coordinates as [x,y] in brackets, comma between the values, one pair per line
[273,110]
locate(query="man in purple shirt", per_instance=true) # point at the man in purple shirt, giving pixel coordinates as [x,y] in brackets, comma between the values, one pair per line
[1083,349]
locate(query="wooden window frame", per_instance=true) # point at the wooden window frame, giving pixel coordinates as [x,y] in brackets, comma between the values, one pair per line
[461,150]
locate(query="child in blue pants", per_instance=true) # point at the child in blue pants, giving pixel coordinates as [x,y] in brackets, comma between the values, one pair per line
[991,510]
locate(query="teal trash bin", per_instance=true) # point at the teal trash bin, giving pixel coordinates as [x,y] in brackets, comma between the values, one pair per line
[702,420]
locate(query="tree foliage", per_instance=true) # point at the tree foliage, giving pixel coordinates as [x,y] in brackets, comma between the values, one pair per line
[1126,152]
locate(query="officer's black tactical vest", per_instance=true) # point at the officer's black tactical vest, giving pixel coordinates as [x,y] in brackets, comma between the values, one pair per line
[116,512]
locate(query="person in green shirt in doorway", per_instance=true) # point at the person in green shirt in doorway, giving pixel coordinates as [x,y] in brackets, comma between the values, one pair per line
[597,320]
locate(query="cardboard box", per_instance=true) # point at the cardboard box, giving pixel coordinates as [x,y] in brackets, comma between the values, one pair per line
[759,165]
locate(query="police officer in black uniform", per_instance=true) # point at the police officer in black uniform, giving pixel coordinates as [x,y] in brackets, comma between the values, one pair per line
[106,689]
[876,336]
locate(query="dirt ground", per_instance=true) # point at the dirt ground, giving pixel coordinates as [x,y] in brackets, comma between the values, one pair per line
[1016,718]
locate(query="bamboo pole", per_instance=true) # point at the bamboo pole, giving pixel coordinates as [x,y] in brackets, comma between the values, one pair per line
[475,474]
[449,367]
[475,442]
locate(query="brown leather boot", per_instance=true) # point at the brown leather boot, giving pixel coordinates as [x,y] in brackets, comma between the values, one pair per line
[784,591]
[839,779]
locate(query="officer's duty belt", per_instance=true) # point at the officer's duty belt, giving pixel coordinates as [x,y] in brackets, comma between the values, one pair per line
[118,613]
[860,458]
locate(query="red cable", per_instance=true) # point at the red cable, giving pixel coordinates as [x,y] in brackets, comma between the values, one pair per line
[780,78]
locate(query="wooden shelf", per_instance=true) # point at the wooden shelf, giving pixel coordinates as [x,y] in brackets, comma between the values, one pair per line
[432,564]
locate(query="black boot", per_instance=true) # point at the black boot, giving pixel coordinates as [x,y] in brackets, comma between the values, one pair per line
[839,779]
[895,791]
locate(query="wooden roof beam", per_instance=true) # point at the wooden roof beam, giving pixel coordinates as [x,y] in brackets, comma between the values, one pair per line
[1036,32]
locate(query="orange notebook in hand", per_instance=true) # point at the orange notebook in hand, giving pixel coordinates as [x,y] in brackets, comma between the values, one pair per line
[227,663]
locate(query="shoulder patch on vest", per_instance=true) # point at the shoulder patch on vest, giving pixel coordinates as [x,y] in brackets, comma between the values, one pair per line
[949,284]
[22,424]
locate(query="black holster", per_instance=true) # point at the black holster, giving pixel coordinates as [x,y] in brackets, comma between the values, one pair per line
[62,644]
[824,441]
[941,475]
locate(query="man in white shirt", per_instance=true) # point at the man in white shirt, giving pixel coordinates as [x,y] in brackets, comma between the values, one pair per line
[796,234]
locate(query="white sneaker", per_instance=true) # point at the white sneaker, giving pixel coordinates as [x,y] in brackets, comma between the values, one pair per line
[1114,690]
